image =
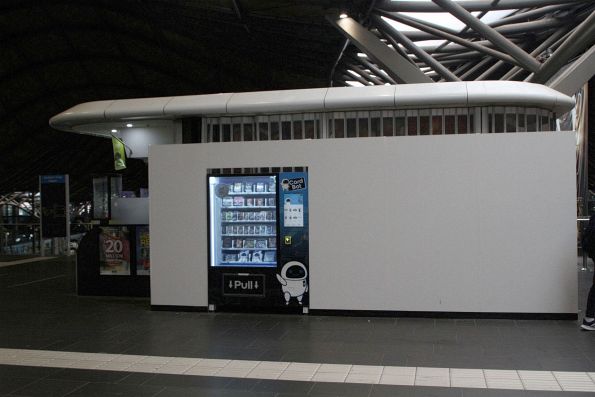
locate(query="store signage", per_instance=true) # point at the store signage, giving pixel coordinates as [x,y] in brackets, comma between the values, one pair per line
[54,205]
[243,284]
[293,184]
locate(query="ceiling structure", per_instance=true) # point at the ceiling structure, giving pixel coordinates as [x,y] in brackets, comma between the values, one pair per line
[445,40]
[57,54]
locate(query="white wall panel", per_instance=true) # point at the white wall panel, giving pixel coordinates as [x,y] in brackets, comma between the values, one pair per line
[479,223]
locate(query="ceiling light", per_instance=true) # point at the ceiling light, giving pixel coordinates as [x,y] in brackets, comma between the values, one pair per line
[361,55]
[343,15]
[128,125]
[114,130]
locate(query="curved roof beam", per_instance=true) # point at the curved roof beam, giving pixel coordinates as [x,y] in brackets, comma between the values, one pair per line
[526,60]
[473,5]
[581,37]
[451,37]
[420,53]
[397,66]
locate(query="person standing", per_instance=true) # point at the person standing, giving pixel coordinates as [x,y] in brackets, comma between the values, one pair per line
[588,244]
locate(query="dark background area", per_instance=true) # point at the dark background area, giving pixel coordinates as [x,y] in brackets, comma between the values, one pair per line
[56,54]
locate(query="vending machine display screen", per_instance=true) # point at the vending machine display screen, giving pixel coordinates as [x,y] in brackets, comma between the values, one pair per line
[243,221]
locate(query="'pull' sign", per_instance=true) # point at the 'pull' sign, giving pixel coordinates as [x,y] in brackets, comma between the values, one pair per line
[243,284]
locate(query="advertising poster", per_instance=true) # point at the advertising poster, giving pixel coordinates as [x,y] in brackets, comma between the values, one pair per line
[114,251]
[143,260]
[293,266]
[54,199]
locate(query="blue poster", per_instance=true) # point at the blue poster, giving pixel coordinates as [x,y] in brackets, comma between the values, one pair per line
[292,268]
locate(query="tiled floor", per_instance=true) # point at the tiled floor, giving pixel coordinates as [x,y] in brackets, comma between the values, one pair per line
[148,353]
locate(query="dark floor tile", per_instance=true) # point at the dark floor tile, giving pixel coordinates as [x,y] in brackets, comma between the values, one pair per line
[410,391]
[205,382]
[49,388]
[8,385]
[114,389]
[19,371]
[520,393]
[136,378]
[241,384]
[198,391]
[282,386]
[342,389]
[89,375]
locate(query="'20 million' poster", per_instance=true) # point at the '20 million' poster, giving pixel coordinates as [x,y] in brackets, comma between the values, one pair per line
[114,251]
[143,259]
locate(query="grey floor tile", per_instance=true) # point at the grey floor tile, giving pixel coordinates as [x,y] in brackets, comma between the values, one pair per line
[113,390]
[342,389]
[136,378]
[49,388]
[281,386]
[520,393]
[88,375]
[410,391]
[199,392]
[19,371]
[205,382]
[8,384]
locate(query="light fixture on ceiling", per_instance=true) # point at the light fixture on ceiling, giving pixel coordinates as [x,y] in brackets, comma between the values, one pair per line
[129,125]
[114,130]
[343,15]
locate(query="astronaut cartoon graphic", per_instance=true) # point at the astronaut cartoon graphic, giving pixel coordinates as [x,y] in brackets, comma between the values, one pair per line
[285,184]
[293,279]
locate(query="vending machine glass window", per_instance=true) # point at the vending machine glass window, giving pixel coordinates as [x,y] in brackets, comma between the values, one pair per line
[243,220]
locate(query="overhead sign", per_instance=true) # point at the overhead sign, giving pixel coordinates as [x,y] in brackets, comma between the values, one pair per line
[54,205]
[243,284]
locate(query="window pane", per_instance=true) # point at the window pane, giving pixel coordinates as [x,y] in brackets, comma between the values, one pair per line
[263,131]
[449,124]
[411,125]
[436,125]
[226,132]
[363,127]
[545,123]
[498,122]
[521,122]
[274,130]
[531,123]
[297,130]
[286,130]
[462,124]
[387,125]
[375,129]
[424,125]
[237,132]
[510,122]
[216,135]
[248,132]
[351,128]
[309,125]
[339,128]
[400,126]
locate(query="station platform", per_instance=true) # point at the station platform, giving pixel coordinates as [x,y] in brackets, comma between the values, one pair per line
[53,342]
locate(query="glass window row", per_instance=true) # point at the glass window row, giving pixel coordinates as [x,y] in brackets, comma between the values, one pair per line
[447,121]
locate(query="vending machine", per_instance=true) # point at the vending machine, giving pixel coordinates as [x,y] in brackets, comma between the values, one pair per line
[258,242]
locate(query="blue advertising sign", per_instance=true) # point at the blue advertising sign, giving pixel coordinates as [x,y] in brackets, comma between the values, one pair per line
[54,205]
[293,264]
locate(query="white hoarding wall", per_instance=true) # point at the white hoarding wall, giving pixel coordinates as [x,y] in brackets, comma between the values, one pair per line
[465,223]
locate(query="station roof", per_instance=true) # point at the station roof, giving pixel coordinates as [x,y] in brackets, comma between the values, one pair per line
[56,55]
